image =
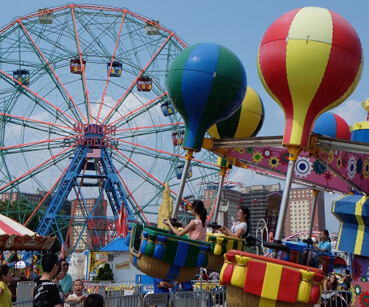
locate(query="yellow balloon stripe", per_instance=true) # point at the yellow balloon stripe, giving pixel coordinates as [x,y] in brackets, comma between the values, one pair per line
[213,131]
[251,110]
[301,71]
[307,54]
[313,24]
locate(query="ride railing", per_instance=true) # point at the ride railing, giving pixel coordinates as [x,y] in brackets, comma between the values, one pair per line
[335,298]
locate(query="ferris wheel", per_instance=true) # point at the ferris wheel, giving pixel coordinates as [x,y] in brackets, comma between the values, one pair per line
[89,81]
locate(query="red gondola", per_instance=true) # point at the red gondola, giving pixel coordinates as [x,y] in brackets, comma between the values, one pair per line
[177,138]
[75,66]
[144,84]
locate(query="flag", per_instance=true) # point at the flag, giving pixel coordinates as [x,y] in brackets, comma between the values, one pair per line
[121,224]
[93,153]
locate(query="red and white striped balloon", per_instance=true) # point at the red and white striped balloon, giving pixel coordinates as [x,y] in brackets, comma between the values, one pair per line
[309,61]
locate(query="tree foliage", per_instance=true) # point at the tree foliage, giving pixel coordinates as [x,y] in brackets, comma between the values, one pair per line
[105,273]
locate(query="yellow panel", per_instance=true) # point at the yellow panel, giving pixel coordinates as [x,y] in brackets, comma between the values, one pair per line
[213,132]
[361,228]
[272,280]
[312,23]
[251,109]
[307,54]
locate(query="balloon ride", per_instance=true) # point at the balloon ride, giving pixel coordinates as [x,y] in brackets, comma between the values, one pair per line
[245,122]
[309,61]
[206,84]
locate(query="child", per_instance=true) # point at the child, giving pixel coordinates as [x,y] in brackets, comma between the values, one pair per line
[77,295]
[196,229]
[94,300]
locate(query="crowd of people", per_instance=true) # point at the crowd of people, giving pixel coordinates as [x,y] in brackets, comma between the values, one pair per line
[56,288]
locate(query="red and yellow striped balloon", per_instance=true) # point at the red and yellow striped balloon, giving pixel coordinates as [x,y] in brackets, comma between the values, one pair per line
[309,61]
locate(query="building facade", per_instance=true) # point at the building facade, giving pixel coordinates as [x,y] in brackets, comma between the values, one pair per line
[298,215]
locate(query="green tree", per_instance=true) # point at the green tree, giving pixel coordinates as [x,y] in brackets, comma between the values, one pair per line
[105,273]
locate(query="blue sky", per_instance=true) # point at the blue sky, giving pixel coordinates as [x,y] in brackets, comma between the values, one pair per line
[238,25]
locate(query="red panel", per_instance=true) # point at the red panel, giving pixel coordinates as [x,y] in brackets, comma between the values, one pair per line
[279,29]
[289,285]
[228,271]
[345,35]
[272,59]
[343,130]
[342,68]
[255,277]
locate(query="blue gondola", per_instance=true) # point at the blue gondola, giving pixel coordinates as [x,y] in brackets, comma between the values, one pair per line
[179,171]
[22,76]
[167,108]
[116,69]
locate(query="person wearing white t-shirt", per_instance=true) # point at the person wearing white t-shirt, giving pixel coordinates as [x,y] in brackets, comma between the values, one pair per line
[239,229]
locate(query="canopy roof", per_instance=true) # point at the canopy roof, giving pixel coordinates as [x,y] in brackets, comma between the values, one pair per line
[15,236]
[9,227]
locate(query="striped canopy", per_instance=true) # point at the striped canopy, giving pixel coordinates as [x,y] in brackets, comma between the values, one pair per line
[14,236]
[9,227]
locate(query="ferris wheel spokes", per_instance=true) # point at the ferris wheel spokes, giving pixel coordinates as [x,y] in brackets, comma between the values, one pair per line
[138,110]
[110,68]
[32,95]
[56,80]
[84,83]
[121,99]
[34,123]
[37,169]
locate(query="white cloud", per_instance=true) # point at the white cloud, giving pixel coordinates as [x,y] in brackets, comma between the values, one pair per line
[351,111]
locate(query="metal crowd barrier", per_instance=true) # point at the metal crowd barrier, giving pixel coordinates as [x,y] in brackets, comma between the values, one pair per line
[135,300]
[216,297]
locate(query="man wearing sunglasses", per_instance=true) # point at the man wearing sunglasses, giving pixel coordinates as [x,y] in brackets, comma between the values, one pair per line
[66,283]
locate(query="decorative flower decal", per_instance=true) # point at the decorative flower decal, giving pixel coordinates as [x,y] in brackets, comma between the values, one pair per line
[356,269]
[363,279]
[328,176]
[284,157]
[330,156]
[266,152]
[339,162]
[257,157]
[273,162]
[249,150]
[357,290]
[366,169]
[364,299]
[351,167]
[240,150]
[303,167]
[319,168]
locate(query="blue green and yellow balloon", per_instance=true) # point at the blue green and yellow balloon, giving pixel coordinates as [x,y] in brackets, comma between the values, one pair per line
[245,122]
[206,84]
